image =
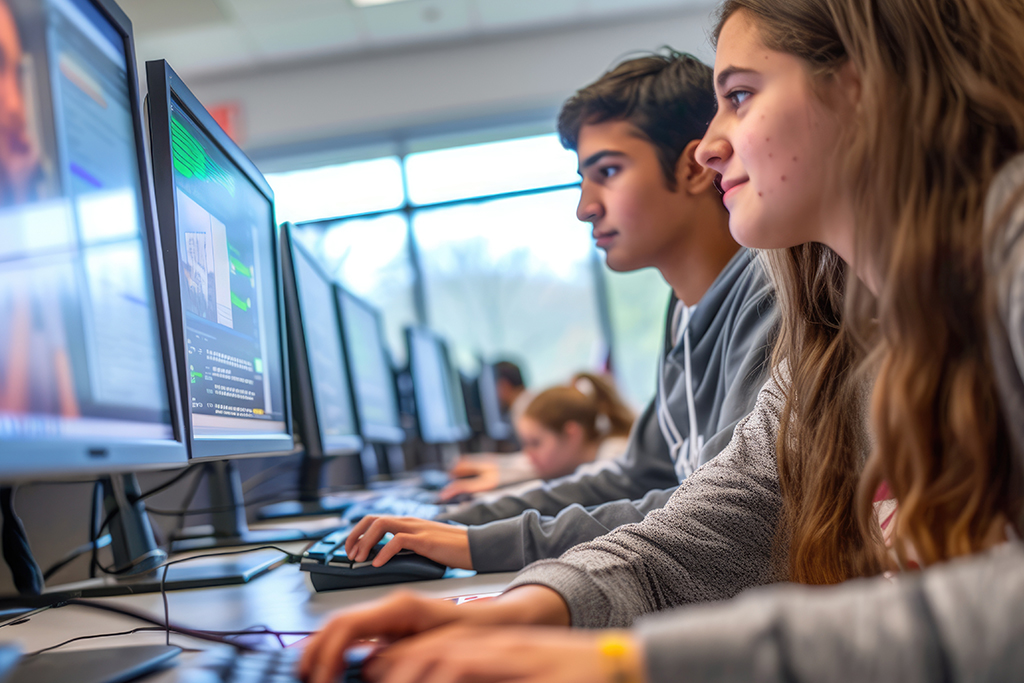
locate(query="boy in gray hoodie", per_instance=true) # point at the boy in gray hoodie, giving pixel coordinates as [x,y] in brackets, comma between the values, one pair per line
[651,204]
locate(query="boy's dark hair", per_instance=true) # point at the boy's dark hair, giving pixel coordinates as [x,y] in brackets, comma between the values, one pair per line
[668,96]
[510,372]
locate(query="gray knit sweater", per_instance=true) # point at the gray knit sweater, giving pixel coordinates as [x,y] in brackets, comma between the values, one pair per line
[713,539]
[961,621]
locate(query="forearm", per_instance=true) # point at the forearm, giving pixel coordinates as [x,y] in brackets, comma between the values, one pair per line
[512,544]
[526,606]
[712,540]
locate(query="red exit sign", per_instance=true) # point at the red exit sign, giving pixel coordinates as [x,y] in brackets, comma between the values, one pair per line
[229,116]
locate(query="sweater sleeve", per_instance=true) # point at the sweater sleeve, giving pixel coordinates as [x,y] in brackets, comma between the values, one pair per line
[508,545]
[714,538]
[645,465]
[956,622]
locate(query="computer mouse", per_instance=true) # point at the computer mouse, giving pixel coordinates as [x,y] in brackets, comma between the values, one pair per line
[340,572]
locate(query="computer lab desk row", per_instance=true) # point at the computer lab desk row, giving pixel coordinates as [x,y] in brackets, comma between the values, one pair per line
[281,600]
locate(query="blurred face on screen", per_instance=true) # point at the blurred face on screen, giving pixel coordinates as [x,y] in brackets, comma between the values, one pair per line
[17,158]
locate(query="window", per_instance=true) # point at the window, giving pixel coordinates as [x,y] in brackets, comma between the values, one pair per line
[369,256]
[493,168]
[514,277]
[340,190]
[637,304]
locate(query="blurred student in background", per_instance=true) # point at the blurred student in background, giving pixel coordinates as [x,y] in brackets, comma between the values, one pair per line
[513,396]
[561,429]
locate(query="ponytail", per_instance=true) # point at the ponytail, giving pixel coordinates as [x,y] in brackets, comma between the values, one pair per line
[589,400]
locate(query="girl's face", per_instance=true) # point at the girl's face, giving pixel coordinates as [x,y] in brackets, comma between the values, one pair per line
[552,454]
[775,141]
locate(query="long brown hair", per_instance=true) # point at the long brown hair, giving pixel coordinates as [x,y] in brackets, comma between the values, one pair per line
[589,400]
[941,109]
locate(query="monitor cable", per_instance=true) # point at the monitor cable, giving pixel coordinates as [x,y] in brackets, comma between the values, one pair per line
[28,578]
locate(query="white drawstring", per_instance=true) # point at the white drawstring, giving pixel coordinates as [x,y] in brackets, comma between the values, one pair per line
[695,441]
[667,424]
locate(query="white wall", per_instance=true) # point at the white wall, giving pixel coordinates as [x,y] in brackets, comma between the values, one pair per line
[386,92]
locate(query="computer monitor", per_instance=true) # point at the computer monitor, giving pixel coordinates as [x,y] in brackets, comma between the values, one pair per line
[495,425]
[373,382]
[322,391]
[87,382]
[434,388]
[88,375]
[221,244]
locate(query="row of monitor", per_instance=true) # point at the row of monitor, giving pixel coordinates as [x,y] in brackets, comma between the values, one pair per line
[131,343]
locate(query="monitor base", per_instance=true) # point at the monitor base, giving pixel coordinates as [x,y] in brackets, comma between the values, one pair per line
[205,538]
[328,505]
[203,573]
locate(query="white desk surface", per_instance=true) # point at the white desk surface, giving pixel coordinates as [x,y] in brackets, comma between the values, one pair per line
[281,600]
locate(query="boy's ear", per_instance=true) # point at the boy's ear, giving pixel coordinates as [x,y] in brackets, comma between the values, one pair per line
[690,175]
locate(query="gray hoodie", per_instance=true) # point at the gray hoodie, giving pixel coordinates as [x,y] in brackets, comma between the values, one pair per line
[960,621]
[714,362]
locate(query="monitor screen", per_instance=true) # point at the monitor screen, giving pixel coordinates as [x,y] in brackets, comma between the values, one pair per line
[372,375]
[431,380]
[323,372]
[496,425]
[217,218]
[83,356]
[458,419]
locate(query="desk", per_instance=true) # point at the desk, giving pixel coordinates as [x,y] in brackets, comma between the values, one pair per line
[282,600]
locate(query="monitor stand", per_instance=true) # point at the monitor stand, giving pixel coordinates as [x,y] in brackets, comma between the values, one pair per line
[310,502]
[137,559]
[229,526]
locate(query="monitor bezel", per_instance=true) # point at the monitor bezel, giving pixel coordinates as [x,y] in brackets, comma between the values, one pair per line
[304,398]
[165,86]
[379,434]
[73,458]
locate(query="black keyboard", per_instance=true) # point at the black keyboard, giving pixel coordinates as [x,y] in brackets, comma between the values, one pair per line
[392,505]
[227,665]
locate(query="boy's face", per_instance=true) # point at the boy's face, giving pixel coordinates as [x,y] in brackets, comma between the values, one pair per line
[635,216]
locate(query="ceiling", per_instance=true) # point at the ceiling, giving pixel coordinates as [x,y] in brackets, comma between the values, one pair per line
[207,37]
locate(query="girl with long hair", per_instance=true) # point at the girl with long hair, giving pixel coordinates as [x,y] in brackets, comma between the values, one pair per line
[858,142]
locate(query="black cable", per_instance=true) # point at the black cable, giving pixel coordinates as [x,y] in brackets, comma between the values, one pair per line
[215,636]
[94,563]
[276,497]
[201,634]
[95,528]
[96,635]
[28,578]
[101,542]
[290,556]
[193,489]
[170,482]
[260,478]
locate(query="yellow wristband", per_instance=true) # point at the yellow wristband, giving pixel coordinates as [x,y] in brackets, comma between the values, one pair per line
[618,656]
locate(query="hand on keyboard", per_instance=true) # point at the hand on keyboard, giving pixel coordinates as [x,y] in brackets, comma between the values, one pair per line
[447,544]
